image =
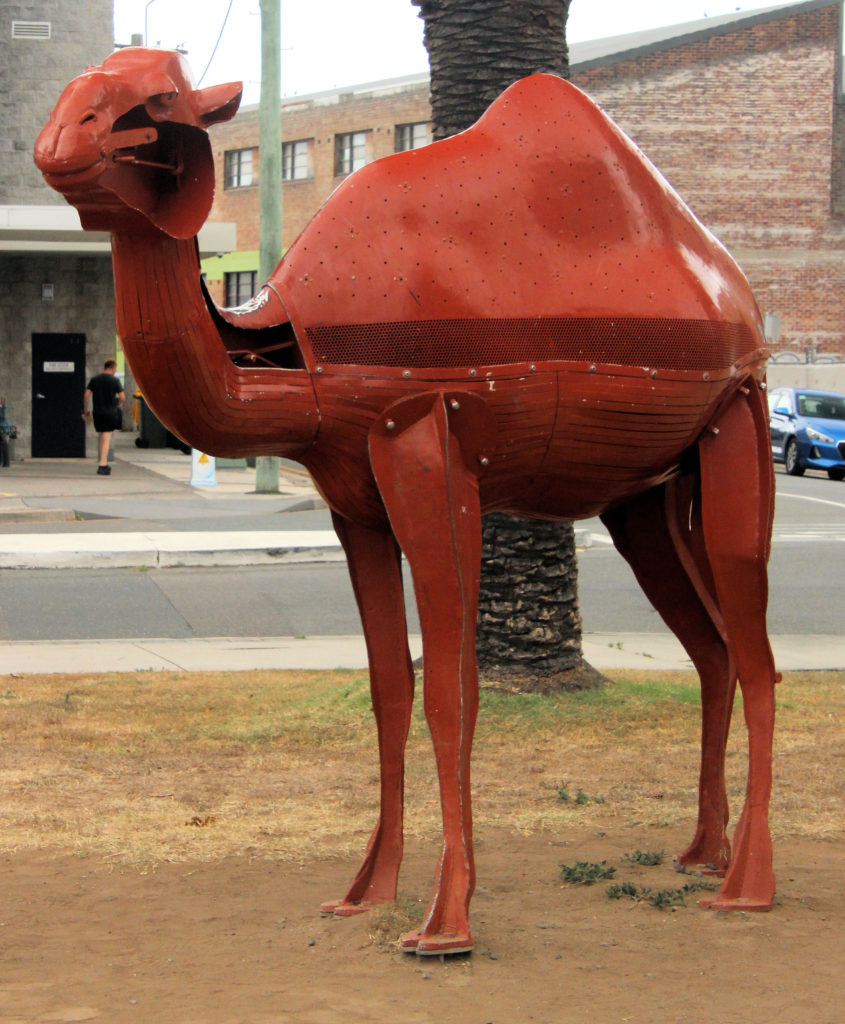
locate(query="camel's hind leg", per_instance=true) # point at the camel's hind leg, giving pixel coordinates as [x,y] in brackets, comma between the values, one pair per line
[656,534]
[737,501]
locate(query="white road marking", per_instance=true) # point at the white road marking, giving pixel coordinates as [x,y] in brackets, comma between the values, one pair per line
[804,497]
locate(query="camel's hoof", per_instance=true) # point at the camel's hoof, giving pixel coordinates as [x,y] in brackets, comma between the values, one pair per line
[435,945]
[343,908]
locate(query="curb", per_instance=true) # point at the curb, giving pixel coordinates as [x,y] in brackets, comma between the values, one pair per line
[174,549]
[167,550]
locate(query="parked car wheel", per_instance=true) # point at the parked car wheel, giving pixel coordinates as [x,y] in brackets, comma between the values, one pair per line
[837,473]
[791,460]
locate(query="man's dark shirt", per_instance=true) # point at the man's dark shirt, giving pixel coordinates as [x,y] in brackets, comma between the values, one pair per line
[104,388]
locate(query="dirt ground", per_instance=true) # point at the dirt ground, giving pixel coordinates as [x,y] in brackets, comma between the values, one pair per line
[240,940]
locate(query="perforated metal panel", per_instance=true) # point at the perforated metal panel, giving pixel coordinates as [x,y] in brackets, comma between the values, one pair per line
[659,343]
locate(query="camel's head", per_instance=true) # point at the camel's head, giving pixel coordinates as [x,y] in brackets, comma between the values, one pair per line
[129,137]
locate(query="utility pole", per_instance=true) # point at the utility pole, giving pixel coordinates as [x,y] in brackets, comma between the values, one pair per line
[269,183]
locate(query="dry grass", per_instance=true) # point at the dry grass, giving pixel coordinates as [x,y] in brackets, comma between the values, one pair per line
[148,767]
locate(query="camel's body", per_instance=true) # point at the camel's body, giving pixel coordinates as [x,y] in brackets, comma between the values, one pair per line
[522,317]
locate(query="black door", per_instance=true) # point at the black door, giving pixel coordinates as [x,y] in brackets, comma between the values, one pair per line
[58,383]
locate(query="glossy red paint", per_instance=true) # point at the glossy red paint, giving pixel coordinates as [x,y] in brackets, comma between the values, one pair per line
[522,317]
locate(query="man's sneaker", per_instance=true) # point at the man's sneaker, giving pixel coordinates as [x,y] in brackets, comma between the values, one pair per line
[103,470]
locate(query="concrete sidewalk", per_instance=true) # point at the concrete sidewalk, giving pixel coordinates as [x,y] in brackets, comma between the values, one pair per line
[608,652]
[58,513]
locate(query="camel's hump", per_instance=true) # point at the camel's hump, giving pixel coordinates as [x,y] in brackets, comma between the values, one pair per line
[543,209]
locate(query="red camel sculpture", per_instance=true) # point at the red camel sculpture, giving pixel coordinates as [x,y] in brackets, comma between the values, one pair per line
[522,317]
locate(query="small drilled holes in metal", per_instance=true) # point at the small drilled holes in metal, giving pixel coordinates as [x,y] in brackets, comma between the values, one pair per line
[634,341]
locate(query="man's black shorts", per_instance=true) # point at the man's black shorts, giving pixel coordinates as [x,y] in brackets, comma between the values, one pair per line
[106,421]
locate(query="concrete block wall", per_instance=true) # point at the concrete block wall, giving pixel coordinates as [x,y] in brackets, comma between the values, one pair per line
[815,376]
[83,303]
[33,73]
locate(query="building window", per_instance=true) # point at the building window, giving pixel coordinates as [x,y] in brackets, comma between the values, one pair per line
[238,168]
[410,136]
[350,152]
[296,160]
[240,287]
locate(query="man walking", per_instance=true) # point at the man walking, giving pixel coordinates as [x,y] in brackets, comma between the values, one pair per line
[104,397]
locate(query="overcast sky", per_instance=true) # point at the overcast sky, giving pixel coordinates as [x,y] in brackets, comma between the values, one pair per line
[332,43]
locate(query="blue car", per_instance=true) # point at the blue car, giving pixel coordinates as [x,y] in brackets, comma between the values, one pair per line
[808,430]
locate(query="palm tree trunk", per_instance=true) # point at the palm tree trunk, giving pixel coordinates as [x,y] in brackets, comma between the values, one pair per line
[477,48]
[529,628]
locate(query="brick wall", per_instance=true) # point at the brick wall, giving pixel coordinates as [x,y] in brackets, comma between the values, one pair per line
[742,120]
[318,119]
[744,125]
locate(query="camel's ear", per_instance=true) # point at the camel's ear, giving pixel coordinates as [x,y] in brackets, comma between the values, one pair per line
[218,102]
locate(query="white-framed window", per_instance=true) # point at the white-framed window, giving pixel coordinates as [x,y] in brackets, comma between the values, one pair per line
[296,160]
[239,167]
[351,151]
[239,286]
[411,136]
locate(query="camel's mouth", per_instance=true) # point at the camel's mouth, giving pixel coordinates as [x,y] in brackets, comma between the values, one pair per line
[120,148]
[72,180]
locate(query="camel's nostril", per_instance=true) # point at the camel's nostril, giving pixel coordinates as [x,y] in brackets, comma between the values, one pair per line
[88,118]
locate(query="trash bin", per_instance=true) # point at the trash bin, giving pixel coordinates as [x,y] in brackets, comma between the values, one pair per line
[8,435]
[151,432]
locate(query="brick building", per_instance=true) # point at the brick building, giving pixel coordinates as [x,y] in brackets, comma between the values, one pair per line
[744,114]
[325,137]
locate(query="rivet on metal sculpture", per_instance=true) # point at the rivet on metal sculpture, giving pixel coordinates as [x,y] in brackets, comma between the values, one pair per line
[522,317]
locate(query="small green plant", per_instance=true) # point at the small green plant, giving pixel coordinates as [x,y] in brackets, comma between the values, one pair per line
[647,858]
[698,884]
[662,899]
[584,872]
[616,892]
[580,797]
[665,898]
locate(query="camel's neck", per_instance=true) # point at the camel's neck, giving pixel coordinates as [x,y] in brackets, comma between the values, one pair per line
[178,359]
[157,287]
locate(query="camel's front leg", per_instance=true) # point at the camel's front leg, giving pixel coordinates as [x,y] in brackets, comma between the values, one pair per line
[375,569]
[432,499]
